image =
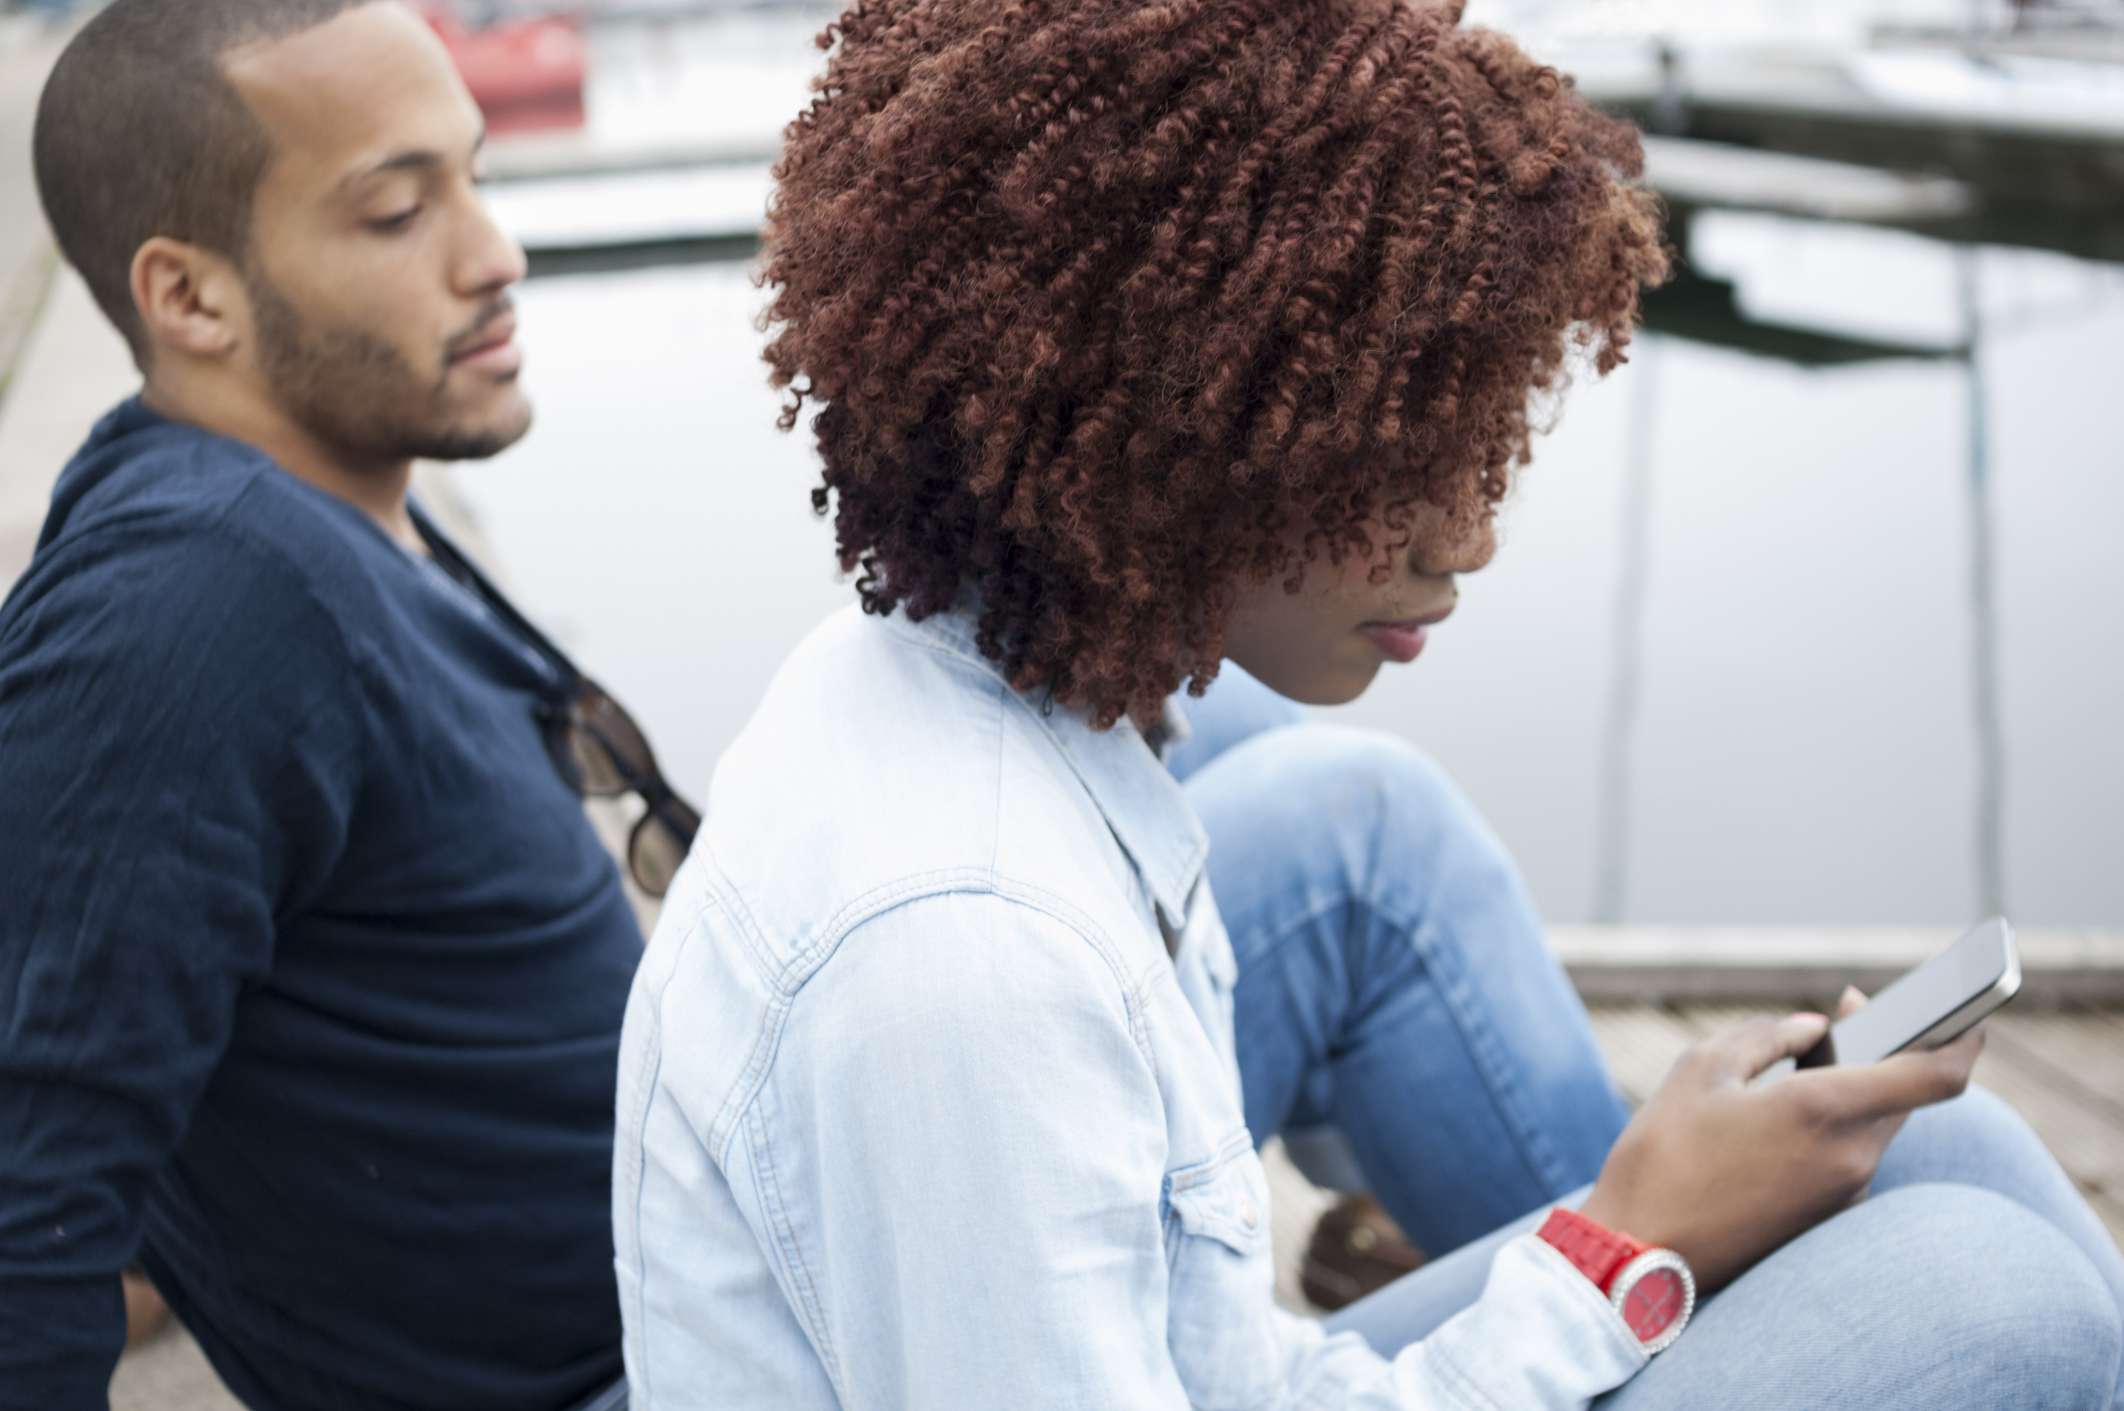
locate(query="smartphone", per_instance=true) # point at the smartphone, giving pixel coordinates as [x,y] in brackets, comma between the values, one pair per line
[1934,1004]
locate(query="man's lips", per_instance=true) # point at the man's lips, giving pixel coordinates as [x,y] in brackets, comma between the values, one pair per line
[1402,639]
[496,344]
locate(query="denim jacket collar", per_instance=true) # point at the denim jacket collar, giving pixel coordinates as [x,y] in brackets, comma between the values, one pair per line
[1142,803]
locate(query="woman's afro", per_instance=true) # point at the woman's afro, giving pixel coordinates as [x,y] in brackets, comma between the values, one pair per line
[1110,308]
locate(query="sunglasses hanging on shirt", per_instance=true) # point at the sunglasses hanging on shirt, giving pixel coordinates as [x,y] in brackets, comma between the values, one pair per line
[592,740]
[599,750]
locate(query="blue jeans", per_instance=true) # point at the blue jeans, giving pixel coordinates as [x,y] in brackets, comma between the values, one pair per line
[1397,1006]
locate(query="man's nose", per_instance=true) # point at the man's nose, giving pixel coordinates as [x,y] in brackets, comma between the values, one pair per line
[491,258]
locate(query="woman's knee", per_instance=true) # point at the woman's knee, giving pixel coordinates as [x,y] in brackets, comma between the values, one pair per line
[1976,1139]
[2004,1301]
[1312,818]
[1375,787]
[1979,1116]
[1235,709]
[1425,849]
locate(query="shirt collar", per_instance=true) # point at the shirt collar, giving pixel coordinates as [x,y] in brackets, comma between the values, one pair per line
[1127,779]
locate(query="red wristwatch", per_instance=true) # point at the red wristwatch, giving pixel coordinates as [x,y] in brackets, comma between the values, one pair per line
[1650,1287]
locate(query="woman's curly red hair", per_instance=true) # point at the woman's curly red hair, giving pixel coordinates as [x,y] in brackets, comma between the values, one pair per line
[1111,306]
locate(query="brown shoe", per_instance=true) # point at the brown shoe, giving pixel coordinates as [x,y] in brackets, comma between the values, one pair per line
[1356,1249]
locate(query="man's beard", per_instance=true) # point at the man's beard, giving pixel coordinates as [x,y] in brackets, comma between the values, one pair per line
[358,393]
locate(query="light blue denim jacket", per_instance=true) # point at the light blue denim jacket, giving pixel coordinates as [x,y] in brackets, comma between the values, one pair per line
[928,1098]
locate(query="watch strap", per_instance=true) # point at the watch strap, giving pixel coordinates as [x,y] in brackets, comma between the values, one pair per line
[1593,1249]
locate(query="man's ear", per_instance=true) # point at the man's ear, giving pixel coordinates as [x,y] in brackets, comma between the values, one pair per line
[189,299]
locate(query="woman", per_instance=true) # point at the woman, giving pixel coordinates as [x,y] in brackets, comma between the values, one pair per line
[1147,337]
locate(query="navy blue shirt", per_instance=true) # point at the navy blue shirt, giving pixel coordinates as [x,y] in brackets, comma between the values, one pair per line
[311,968]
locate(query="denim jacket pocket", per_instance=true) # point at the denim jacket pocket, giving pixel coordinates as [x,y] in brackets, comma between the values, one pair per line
[1222,1281]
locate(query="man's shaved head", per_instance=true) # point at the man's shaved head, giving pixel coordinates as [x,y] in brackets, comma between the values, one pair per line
[139,134]
[277,203]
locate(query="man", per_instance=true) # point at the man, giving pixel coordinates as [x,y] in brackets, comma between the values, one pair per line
[311,968]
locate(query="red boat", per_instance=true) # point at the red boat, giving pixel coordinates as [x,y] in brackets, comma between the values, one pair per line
[526,74]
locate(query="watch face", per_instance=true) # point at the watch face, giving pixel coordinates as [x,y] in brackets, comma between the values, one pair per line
[1653,1303]
[1655,1294]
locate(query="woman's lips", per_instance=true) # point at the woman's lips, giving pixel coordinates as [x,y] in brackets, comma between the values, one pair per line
[1396,642]
[1403,640]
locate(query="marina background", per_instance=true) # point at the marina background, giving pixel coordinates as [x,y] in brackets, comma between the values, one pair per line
[1814,613]
[1806,642]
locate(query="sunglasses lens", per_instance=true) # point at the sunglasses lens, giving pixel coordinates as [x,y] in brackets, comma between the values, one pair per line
[659,845]
[597,773]
[598,746]
[608,722]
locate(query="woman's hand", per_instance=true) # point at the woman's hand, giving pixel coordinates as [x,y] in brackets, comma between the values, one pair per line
[1723,1173]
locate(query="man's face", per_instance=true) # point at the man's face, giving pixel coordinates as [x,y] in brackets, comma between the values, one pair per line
[381,320]
[1323,644]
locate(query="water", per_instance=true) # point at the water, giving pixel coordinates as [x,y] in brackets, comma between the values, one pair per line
[1805,745]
